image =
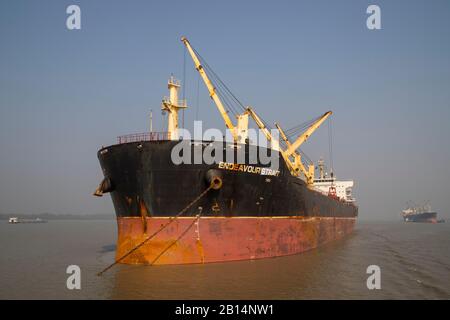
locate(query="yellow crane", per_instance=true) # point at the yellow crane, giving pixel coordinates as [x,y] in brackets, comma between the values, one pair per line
[292,147]
[302,138]
[274,142]
[295,166]
[239,132]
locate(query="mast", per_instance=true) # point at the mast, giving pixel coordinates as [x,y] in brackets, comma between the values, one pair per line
[172,105]
[151,120]
[239,133]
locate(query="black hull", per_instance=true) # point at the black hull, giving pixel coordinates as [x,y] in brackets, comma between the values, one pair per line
[145,181]
[421,217]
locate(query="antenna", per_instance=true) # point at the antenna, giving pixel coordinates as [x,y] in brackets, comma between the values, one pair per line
[151,120]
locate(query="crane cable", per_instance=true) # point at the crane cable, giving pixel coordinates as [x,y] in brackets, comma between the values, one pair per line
[296,130]
[184,85]
[224,86]
[198,97]
[229,99]
[224,91]
[330,144]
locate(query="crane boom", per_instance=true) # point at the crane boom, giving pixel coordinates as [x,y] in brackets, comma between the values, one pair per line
[211,89]
[270,138]
[298,165]
[261,125]
[283,135]
[301,139]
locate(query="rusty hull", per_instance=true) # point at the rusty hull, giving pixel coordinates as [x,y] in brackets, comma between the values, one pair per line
[220,239]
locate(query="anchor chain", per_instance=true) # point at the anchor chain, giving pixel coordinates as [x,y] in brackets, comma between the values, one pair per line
[181,236]
[213,185]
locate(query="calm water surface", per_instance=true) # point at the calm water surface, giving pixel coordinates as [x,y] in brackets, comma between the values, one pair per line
[414,261]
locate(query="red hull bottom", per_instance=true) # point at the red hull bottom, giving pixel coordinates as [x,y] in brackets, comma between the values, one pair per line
[219,239]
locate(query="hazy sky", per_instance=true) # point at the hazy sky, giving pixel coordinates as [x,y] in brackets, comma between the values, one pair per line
[64,94]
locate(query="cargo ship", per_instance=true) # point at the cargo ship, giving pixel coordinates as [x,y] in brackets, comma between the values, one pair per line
[237,206]
[422,214]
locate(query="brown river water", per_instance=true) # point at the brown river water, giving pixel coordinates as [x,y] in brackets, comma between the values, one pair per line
[414,260]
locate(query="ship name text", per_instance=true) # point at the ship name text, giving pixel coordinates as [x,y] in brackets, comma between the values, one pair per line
[248,168]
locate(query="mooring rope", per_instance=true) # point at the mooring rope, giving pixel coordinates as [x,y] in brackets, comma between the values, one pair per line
[172,219]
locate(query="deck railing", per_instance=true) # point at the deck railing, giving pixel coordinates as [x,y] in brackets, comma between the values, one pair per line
[146,136]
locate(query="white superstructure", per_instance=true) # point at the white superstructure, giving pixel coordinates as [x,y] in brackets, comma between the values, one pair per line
[325,182]
[416,209]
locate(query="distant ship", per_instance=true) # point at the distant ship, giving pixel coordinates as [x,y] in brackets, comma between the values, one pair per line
[14,220]
[420,214]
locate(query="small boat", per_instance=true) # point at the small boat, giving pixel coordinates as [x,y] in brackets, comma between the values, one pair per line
[14,220]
